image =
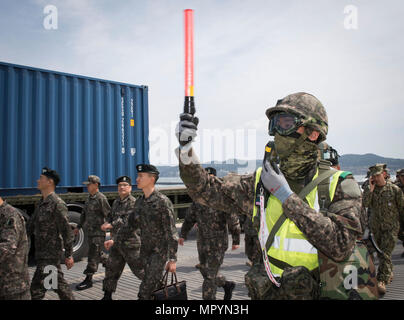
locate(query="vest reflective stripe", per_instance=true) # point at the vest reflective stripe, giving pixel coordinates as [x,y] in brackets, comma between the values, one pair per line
[290,245]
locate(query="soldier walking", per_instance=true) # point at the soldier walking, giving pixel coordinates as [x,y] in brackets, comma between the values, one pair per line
[159,239]
[400,183]
[96,209]
[125,244]
[386,202]
[252,246]
[213,240]
[14,277]
[52,233]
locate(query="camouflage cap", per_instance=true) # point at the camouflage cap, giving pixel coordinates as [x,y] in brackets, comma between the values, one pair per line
[376,169]
[92,179]
[400,172]
[384,165]
[308,107]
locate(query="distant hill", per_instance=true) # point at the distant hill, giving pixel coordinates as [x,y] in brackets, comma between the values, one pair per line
[356,163]
[359,164]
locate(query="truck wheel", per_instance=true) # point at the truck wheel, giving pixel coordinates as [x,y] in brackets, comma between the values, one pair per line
[80,244]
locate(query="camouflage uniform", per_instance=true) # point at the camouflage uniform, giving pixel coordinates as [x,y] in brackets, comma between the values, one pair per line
[214,238]
[252,246]
[333,232]
[387,210]
[52,233]
[14,277]
[159,238]
[401,232]
[327,234]
[96,209]
[126,248]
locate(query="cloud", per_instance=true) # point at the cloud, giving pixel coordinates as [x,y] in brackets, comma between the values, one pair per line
[247,55]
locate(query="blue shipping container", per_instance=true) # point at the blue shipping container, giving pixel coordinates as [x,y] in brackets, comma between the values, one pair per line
[73,124]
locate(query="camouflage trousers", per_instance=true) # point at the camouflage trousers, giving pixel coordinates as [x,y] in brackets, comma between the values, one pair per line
[95,254]
[38,289]
[19,296]
[297,283]
[401,233]
[154,264]
[211,253]
[252,248]
[118,257]
[386,241]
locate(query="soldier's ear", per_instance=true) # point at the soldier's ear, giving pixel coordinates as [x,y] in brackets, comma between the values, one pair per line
[314,135]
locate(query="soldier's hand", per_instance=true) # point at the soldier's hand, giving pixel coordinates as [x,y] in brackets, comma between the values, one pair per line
[186,129]
[106,226]
[171,266]
[108,244]
[181,241]
[69,262]
[235,247]
[372,184]
[275,182]
[76,231]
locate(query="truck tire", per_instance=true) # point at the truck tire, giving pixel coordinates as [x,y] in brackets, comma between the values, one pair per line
[80,244]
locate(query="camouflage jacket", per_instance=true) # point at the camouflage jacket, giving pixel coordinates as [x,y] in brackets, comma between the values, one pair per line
[387,207]
[399,184]
[249,229]
[96,210]
[51,228]
[158,232]
[14,277]
[211,224]
[334,233]
[120,211]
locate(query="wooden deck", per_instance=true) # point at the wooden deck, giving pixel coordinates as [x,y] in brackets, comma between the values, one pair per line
[233,268]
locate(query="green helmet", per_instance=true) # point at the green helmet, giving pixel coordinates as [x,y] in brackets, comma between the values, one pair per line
[306,106]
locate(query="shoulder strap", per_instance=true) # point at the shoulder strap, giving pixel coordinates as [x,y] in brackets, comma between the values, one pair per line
[306,190]
[321,177]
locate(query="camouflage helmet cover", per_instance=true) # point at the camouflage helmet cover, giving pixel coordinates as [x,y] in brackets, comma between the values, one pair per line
[308,107]
[400,172]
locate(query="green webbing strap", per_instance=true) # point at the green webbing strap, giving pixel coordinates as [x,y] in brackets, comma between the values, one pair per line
[307,189]
[302,195]
[278,263]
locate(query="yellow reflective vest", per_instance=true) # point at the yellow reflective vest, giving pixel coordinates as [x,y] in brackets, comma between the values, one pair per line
[290,245]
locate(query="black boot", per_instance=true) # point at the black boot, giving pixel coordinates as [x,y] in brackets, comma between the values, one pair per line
[87,283]
[228,289]
[107,295]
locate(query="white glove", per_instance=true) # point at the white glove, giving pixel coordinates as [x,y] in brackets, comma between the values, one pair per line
[274,182]
[186,130]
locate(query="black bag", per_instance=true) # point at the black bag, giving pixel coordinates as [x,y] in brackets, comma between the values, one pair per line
[175,291]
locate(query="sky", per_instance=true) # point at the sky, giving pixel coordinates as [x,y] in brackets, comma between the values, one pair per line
[248,54]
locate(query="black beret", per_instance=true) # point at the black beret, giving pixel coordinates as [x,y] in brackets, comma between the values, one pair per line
[211,170]
[124,179]
[147,168]
[51,174]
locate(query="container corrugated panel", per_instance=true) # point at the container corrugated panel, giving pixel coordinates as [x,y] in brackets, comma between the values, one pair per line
[73,124]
